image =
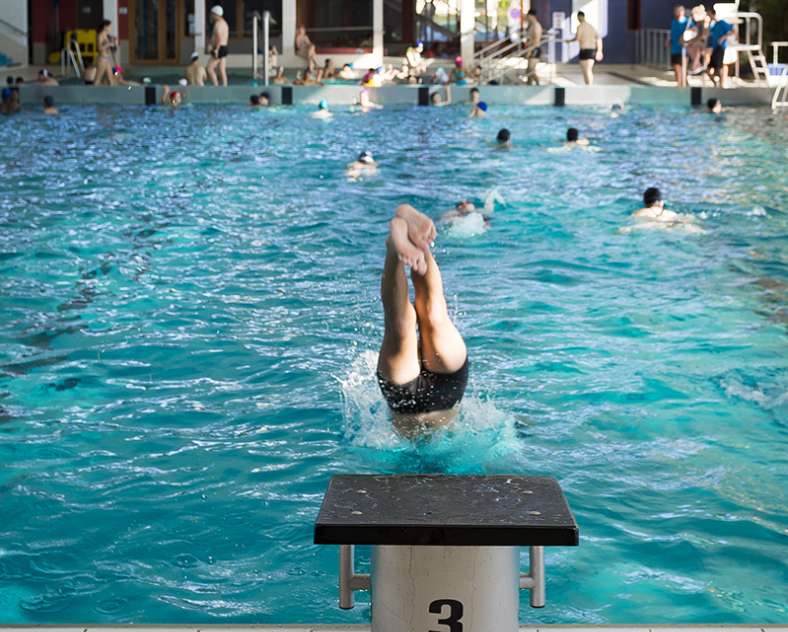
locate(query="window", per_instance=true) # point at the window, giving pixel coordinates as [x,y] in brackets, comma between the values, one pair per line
[337,24]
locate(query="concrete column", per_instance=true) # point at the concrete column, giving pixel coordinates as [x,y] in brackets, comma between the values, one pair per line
[288,32]
[199,26]
[377,31]
[467,28]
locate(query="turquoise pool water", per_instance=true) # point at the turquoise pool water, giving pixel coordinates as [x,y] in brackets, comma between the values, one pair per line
[189,319]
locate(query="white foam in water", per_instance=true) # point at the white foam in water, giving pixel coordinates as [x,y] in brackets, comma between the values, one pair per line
[492,198]
[482,437]
[469,226]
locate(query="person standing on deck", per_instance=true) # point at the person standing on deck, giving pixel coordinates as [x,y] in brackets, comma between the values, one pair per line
[719,34]
[677,28]
[590,47]
[423,362]
[532,43]
[219,39]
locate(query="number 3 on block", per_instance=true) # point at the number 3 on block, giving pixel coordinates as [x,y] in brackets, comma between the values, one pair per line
[455,614]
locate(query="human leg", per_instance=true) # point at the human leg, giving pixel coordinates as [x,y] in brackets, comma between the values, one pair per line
[398,361]
[211,70]
[223,70]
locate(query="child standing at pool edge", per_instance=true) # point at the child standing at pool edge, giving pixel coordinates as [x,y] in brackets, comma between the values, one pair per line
[423,362]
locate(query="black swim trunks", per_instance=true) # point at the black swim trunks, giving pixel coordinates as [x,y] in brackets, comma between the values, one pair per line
[717,56]
[426,393]
[587,53]
[676,59]
[221,52]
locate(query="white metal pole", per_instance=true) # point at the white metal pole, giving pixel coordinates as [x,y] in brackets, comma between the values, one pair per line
[199,26]
[255,28]
[288,31]
[266,45]
[467,28]
[377,31]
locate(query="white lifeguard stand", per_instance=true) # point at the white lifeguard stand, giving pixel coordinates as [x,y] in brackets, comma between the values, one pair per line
[445,549]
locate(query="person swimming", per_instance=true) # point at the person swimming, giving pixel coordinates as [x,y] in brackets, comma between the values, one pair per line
[573,137]
[366,103]
[504,139]
[265,99]
[364,165]
[170,97]
[464,210]
[49,106]
[654,215]
[423,361]
[322,111]
[714,106]
[479,110]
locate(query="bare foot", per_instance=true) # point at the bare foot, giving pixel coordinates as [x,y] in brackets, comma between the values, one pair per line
[421,229]
[408,253]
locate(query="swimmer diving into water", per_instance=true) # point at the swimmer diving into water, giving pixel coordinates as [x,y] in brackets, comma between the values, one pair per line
[423,362]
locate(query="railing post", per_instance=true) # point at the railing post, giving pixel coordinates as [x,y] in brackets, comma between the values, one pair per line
[255,26]
[266,46]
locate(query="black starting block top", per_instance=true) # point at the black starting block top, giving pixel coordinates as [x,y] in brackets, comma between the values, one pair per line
[446,511]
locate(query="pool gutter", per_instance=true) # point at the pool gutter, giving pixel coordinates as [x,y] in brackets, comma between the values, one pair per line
[344,95]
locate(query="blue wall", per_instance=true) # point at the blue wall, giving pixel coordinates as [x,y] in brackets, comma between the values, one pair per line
[620,41]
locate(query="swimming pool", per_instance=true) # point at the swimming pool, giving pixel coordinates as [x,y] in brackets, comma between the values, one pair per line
[189,319]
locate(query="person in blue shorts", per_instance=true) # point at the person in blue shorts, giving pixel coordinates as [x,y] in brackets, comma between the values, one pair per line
[677,28]
[719,35]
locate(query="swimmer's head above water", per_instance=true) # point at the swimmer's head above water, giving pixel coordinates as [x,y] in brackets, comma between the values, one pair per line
[652,197]
[475,95]
[572,135]
[714,106]
[504,137]
[365,157]
[465,207]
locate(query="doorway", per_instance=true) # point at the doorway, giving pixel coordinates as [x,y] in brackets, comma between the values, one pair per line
[154,31]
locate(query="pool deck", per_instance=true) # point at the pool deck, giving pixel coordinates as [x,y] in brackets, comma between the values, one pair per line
[366,628]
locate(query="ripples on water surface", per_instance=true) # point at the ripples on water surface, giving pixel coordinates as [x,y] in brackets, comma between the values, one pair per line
[188,327]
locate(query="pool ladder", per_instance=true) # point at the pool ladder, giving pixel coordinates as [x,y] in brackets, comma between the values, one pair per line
[780,96]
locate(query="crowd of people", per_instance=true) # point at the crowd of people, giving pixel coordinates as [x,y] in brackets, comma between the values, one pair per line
[705,40]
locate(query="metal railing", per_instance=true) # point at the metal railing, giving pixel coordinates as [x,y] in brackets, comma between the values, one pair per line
[780,96]
[652,47]
[501,58]
[266,20]
[71,57]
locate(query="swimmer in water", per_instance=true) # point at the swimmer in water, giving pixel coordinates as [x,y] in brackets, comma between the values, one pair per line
[462,210]
[504,139]
[714,106]
[364,165]
[366,103]
[616,110]
[654,215]
[573,138]
[479,110]
[322,111]
[171,97]
[438,101]
[265,99]
[49,106]
[423,362]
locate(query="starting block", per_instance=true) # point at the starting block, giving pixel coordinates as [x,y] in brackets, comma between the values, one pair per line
[445,549]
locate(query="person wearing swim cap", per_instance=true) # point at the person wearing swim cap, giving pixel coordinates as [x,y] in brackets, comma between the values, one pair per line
[363,166]
[504,139]
[458,73]
[220,37]
[479,110]
[171,97]
[423,362]
[45,78]
[322,111]
[195,71]
[49,106]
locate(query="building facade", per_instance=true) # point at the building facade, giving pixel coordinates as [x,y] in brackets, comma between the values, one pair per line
[165,32]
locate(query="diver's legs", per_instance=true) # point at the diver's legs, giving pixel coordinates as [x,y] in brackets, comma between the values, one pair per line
[442,347]
[398,361]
